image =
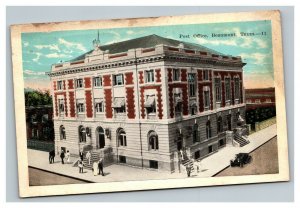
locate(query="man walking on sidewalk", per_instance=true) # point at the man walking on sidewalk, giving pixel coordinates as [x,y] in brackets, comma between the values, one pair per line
[100,167]
[62,156]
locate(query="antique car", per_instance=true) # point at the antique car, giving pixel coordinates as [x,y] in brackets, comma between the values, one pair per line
[241,159]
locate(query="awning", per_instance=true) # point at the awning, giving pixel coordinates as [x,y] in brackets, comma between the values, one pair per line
[193,103]
[152,134]
[178,100]
[98,100]
[118,103]
[80,101]
[150,101]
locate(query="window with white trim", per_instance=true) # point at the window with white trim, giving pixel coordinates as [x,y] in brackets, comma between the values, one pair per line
[79,83]
[99,106]
[150,76]
[227,89]
[191,81]
[118,79]
[176,74]
[218,89]
[205,75]
[80,106]
[61,105]
[97,81]
[59,85]
[237,88]
[206,98]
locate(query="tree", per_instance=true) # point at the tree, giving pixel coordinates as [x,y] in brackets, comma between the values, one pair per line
[37,98]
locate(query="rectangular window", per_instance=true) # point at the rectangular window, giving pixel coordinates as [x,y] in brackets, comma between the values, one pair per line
[118,79]
[80,106]
[150,104]
[205,75]
[59,85]
[227,89]
[268,101]
[176,74]
[150,76]
[97,81]
[79,83]
[206,99]
[61,105]
[99,107]
[122,159]
[237,88]
[257,100]
[218,89]
[178,103]
[191,81]
[153,164]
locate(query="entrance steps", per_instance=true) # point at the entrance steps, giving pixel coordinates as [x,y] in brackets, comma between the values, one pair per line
[241,140]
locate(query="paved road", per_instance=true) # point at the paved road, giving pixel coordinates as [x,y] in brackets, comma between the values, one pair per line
[41,177]
[264,161]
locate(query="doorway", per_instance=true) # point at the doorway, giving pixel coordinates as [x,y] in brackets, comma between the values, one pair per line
[100,138]
[229,122]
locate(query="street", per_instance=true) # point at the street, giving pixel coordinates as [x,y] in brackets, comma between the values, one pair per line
[264,161]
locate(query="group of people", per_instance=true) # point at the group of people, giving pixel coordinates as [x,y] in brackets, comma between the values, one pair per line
[97,165]
[63,155]
[196,164]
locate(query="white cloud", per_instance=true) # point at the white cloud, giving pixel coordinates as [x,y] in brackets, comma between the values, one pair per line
[231,42]
[51,47]
[30,72]
[259,58]
[37,58]
[25,44]
[68,44]
[56,55]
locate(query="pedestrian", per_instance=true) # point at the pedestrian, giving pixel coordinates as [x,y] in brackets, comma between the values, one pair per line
[50,156]
[80,165]
[88,157]
[100,166]
[196,165]
[62,156]
[181,154]
[53,156]
[95,168]
[188,170]
[68,156]
[81,155]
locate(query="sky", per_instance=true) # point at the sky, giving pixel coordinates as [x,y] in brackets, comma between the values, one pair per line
[41,50]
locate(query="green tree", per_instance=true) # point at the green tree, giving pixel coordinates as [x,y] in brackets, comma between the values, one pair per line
[38,97]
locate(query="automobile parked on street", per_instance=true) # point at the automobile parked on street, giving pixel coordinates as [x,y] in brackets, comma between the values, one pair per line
[240,160]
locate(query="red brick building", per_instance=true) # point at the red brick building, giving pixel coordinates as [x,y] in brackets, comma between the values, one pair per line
[141,101]
[260,97]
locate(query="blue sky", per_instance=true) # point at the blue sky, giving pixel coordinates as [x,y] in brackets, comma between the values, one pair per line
[41,50]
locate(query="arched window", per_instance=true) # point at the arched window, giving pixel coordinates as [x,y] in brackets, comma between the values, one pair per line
[82,134]
[62,132]
[219,124]
[208,129]
[121,134]
[153,140]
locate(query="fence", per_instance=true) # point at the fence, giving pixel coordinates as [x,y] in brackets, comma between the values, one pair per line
[264,124]
[40,145]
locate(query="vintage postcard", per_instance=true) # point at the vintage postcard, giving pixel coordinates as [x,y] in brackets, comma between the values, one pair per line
[149,103]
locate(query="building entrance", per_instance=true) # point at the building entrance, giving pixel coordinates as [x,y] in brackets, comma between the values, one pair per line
[100,138]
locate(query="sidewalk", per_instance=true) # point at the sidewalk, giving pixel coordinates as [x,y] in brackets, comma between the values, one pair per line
[210,166]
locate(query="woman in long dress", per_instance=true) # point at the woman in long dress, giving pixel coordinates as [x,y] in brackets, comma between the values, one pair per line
[95,168]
